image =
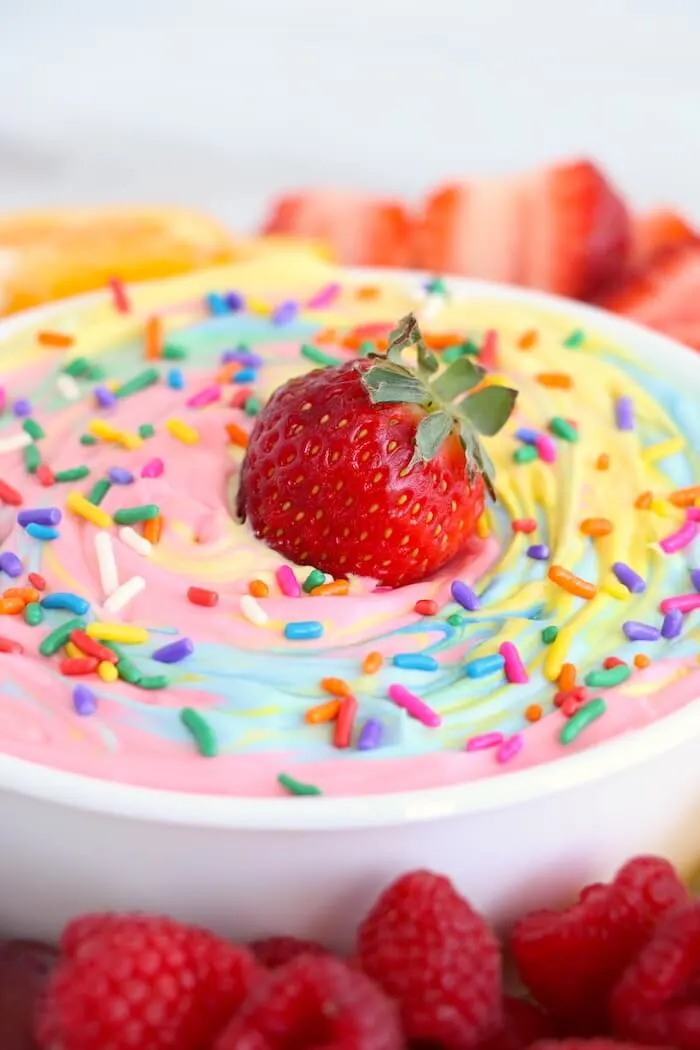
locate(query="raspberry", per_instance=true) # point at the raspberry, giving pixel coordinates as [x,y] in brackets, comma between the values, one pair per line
[24,969]
[588,1044]
[432,953]
[522,1024]
[310,1002]
[570,960]
[128,982]
[272,952]
[657,999]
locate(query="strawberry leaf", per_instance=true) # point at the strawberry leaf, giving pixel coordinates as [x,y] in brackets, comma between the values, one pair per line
[459,377]
[432,431]
[388,385]
[406,334]
[488,410]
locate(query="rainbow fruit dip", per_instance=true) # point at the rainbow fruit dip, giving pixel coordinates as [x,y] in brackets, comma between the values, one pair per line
[146,633]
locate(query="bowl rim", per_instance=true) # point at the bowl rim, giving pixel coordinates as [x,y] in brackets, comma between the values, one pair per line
[352,812]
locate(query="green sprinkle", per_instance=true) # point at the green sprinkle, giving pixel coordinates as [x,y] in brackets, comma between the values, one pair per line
[128,671]
[95,372]
[436,286]
[455,620]
[526,454]
[561,429]
[452,353]
[314,579]
[115,649]
[549,635]
[367,347]
[202,733]
[173,353]
[608,677]
[88,439]
[74,474]
[139,382]
[32,459]
[131,515]
[53,641]
[296,787]
[319,357]
[77,367]
[33,614]
[470,349]
[146,430]
[154,681]
[32,428]
[98,491]
[253,406]
[583,717]
[575,339]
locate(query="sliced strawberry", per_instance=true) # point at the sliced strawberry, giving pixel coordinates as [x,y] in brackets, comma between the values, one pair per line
[657,231]
[562,228]
[362,230]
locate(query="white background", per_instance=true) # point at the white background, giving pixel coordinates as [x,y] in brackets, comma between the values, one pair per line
[221,103]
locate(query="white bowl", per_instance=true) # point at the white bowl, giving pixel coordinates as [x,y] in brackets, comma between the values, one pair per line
[311,866]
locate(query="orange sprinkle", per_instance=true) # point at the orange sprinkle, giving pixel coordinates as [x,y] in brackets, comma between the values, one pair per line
[154,337]
[596,527]
[372,662]
[602,462]
[528,339]
[571,583]
[533,713]
[643,501]
[328,335]
[336,687]
[27,594]
[368,291]
[685,497]
[442,340]
[258,588]
[555,380]
[641,661]
[11,606]
[152,529]
[381,342]
[327,712]
[56,340]
[352,341]
[567,678]
[237,434]
[335,587]
[227,372]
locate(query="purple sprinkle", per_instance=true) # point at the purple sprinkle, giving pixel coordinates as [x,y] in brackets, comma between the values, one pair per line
[371,735]
[153,469]
[22,407]
[10,564]
[673,624]
[104,396]
[510,747]
[528,435]
[538,551]
[39,516]
[695,578]
[120,476]
[242,356]
[84,700]
[629,578]
[285,312]
[624,413]
[174,652]
[234,301]
[641,632]
[464,596]
[324,296]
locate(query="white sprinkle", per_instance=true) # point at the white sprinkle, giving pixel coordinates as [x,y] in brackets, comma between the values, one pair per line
[432,305]
[14,442]
[125,594]
[67,387]
[106,563]
[253,611]
[137,543]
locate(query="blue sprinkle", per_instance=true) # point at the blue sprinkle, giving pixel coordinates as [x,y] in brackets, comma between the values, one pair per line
[176,379]
[22,407]
[484,665]
[246,375]
[415,662]
[528,435]
[10,563]
[285,312]
[302,630]
[234,301]
[217,304]
[104,396]
[371,735]
[464,596]
[84,700]
[42,532]
[66,600]
[120,476]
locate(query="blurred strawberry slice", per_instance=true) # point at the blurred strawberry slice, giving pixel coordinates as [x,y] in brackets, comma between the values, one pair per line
[657,231]
[362,230]
[24,969]
[562,229]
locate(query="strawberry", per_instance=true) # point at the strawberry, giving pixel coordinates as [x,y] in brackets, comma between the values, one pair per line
[562,229]
[370,467]
[25,967]
[655,232]
[361,230]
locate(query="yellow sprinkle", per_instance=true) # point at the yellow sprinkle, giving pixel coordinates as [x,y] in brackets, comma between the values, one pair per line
[84,509]
[614,588]
[663,508]
[107,671]
[73,651]
[663,449]
[257,306]
[98,428]
[182,431]
[117,632]
[483,529]
[556,656]
[127,440]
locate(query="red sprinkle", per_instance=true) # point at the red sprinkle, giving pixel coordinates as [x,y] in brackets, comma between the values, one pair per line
[240,396]
[344,723]
[44,475]
[78,665]
[569,707]
[524,525]
[426,607]
[9,495]
[8,646]
[37,581]
[90,647]
[201,596]
[119,296]
[613,661]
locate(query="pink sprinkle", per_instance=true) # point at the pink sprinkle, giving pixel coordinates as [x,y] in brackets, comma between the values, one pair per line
[510,748]
[208,396]
[485,740]
[513,666]
[153,469]
[693,514]
[3,398]
[324,296]
[546,448]
[120,297]
[685,603]
[683,537]
[288,583]
[414,706]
